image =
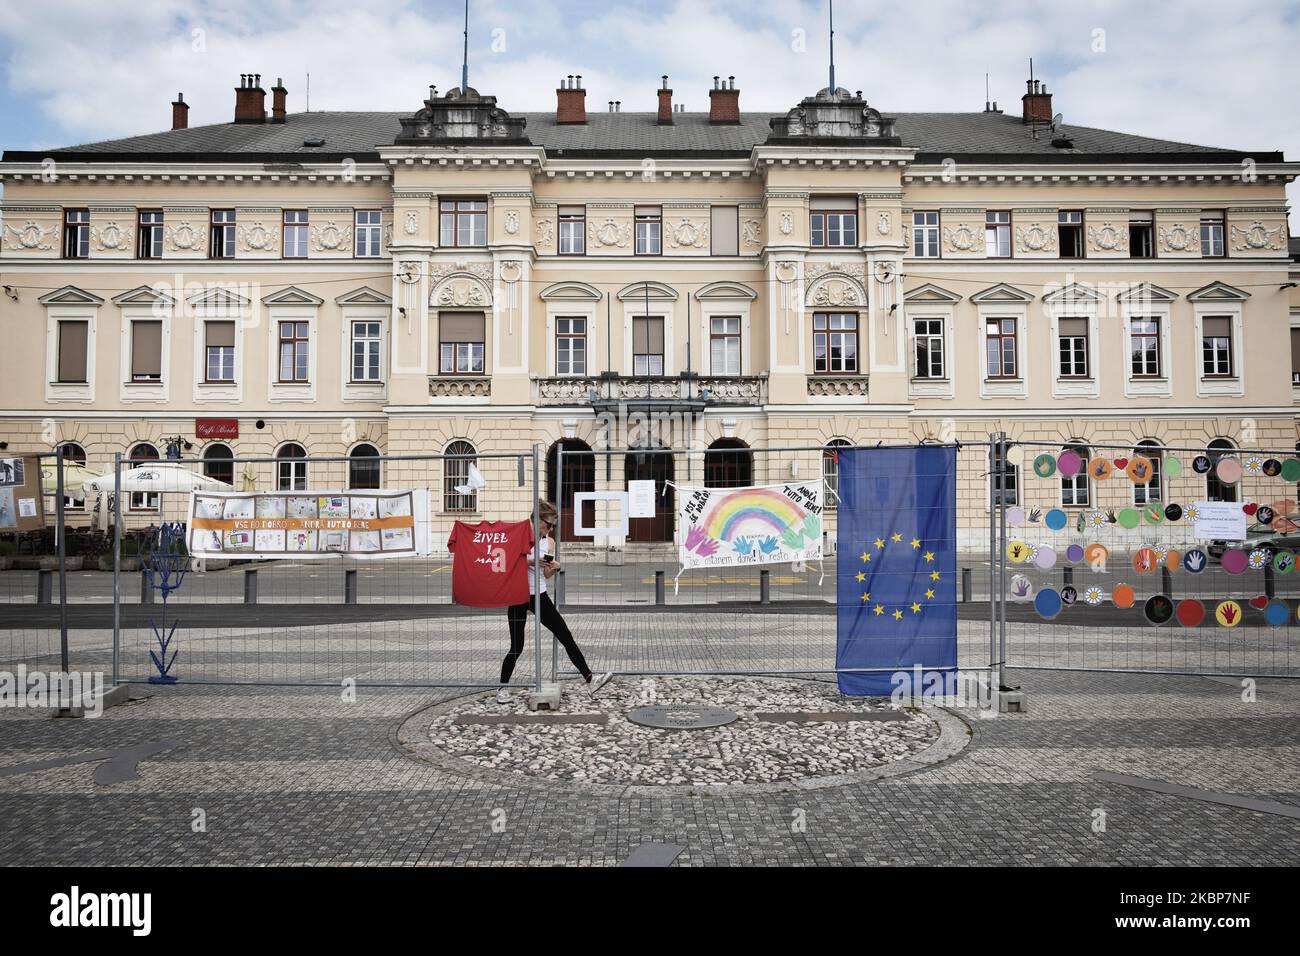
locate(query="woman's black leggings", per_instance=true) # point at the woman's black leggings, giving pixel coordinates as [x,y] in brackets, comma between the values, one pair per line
[553,621]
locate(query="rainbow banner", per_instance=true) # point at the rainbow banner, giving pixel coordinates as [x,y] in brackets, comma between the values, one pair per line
[766,524]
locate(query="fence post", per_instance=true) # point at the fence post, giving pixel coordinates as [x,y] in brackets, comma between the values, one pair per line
[1002,563]
[146,592]
[62,530]
[117,565]
[1270,583]
[765,586]
[250,585]
[537,570]
[1167,583]
[559,588]
[44,586]
[659,588]
[995,495]
[965,585]
[1067,576]
[350,586]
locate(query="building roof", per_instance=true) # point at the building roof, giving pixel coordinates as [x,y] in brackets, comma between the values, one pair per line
[976,137]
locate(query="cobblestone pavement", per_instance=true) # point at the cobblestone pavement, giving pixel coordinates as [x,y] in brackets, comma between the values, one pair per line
[299,776]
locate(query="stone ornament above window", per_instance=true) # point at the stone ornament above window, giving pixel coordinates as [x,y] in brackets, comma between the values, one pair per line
[1108,237]
[184,236]
[545,232]
[412,223]
[1035,238]
[330,237]
[512,222]
[1256,236]
[110,236]
[884,224]
[258,238]
[1178,238]
[751,232]
[961,239]
[611,233]
[787,223]
[31,236]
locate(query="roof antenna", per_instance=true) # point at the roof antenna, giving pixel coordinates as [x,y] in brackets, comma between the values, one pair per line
[309,92]
[464,63]
[986,92]
[831,11]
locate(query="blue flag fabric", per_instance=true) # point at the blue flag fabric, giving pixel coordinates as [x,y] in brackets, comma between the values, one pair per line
[896,560]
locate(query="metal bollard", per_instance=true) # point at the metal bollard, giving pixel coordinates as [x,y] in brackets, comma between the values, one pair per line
[146,592]
[250,585]
[1270,583]
[1166,582]
[659,587]
[1067,576]
[44,586]
[559,588]
[350,586]
[965,585]
[764,587]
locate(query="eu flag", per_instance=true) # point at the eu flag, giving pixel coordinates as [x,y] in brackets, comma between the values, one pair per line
[896,559]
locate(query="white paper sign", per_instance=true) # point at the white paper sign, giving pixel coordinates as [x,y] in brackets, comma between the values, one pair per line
[641,496]
[27,507]
[1219,520]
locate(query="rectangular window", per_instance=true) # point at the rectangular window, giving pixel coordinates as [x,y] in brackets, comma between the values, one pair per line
[1151,490]
[146,351]
[929,348]
[149,234]
[294,351]
[834,222]
[724,345]
[1216,346]
[1074,490]
[1141,235]
[925,234]
[1295,356]
[573,230]
[570,346]
[365,351]
[460,343]
[1211,233]
[76,233]
[997,234]
[1069,230]
[1000,346]
[368,222]
[725,232]
[1073,347]
[295,234]
[835,343]
[219,351]
[648,346]
[1144,347]
[462,222]
[221,239]
[73,339]
[1009,493]
[649,230]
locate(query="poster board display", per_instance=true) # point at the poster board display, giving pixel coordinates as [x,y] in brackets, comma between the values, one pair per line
[22,502]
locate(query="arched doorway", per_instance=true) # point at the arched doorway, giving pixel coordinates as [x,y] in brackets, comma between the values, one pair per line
[728,463]
[579,476]
[652,465]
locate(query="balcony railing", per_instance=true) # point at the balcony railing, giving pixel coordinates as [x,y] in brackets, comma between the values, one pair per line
[460,386]
[837,386]
[698,391]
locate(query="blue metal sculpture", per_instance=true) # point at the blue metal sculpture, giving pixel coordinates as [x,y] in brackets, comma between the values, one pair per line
[165,562]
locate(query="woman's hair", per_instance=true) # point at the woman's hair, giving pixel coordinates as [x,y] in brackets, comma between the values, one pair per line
[546,510]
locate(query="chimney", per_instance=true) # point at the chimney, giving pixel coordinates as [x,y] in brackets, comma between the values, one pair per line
[1037,103]
[665,104]
[278,96]
[724,101]
[180,113]
[571,102]
[250,99]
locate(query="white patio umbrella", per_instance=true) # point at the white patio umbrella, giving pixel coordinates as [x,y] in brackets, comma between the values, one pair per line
[157,476]
[74,475]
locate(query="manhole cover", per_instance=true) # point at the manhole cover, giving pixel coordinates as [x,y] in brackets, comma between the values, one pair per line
[680,717]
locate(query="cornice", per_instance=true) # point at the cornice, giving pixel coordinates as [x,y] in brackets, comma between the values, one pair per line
[340,173]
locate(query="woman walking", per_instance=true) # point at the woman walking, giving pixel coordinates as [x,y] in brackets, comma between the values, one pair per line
[552,620]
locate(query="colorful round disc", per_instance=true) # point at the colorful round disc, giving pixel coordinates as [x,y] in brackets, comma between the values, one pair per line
[1201,464]
[1069,464]
[1122,596]
[1234,561]
[1045,558]
[1158,609]
[1173,467]
[1228,471]
[1173,512]
[1139,470]
[1284,562]
[1291,469]
[1272,467]
[1015,516]
[1228,613]
[1145,560]
[1047,603]
[1096,554]
[1276,614]
[1056,520]
[1129,518]
[1044,466]
[1099,469]
[1195,561]
[1017,552]
[1153,513]
[1191,612]
[1016,455]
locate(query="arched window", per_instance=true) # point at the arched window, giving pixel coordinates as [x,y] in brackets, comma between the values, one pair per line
[568,474]
[76,455]
[291,469]
[144,500]
[1216,490]
[455,471]
[1152,490]
[1010,479]
[1075,490]
[218,462]
[831,470]
[364,467]
[728,463]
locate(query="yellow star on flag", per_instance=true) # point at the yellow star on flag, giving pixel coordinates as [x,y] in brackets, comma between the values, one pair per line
[929,556]
[861,576]
[916,542]
[880,543]
[916,608]
[898,615]
[929,593]
[878,609]
[866,596]
[864,556]
[896,537]
[934,575]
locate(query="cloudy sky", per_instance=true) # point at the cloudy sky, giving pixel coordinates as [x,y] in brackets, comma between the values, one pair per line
[1199,71]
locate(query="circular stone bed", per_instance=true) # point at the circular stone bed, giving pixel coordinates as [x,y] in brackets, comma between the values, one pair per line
[776,738]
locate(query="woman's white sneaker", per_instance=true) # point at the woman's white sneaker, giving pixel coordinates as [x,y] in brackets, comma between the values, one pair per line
[503,696]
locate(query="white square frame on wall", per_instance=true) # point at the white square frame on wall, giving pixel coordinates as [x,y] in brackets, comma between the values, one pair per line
[582,497]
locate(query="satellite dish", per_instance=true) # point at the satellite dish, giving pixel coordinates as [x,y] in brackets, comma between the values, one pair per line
[1057,122]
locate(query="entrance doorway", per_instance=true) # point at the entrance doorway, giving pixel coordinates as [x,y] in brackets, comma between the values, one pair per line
[656,466]
[579,476]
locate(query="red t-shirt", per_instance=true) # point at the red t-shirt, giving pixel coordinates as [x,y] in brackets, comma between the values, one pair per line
[489,566]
